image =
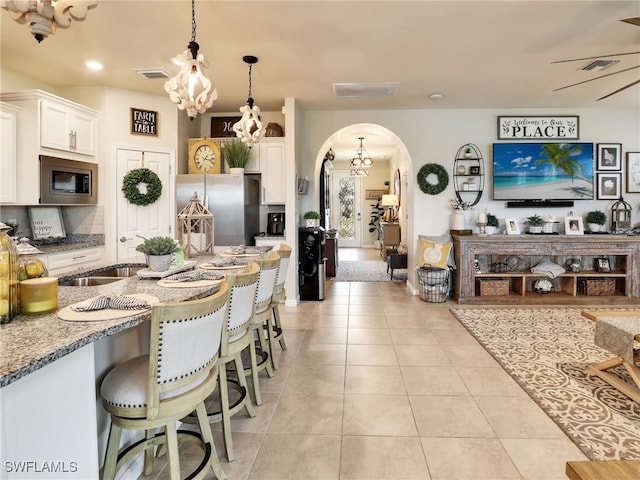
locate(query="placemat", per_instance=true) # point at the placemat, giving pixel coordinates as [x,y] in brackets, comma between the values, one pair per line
[197,283]
[208,266]
[67,313]
[146,273]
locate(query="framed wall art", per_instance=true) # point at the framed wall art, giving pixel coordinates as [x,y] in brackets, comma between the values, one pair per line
[609,156]
[144,122]
[374,194]
[46,222]
[609,186]
[633,172]
[573,226]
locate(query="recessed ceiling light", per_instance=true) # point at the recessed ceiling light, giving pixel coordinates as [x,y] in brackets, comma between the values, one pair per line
[436,96]
[93,65]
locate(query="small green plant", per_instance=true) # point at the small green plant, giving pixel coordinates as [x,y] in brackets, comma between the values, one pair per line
[597,217]
[492,220]
[158,246]
[13,229]
[311,215]
[535,220]
[237,153]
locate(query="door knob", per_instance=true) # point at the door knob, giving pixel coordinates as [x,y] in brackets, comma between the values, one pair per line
[124,239]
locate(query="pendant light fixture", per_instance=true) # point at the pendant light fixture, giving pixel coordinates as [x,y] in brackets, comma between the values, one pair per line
[362,158]
[190,89]
[249,128]
[43,16]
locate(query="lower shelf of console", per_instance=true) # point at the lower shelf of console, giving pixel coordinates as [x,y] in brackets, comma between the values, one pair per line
[588,287]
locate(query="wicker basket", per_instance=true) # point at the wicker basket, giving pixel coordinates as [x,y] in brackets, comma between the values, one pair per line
[494,286]
[434,284]
[599,287]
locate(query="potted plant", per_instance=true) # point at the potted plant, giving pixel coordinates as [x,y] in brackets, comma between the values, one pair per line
[596,220]
[467,153]
[312,218]
[492,224]
[377,211]
[535,223]
[159,252]
[237,154]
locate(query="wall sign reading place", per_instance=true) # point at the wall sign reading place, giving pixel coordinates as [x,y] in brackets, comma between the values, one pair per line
[543,128]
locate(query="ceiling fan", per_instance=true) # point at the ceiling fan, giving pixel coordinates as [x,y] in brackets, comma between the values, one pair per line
[633,21]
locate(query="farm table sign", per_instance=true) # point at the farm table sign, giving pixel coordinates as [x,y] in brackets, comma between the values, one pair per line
[542,128]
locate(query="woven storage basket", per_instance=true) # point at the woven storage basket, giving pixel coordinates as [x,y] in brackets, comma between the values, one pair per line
[599,287]
[434,284]
[494,286]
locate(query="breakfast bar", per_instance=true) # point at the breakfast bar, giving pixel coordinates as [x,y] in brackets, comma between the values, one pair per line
[50,372]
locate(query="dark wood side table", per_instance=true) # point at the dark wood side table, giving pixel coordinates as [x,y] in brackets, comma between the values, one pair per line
[396,260]
[604,470]
[331,254]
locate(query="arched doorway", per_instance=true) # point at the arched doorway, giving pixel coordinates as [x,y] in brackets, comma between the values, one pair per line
[343,144]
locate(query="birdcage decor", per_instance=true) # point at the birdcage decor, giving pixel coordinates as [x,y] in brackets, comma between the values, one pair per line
[620,216]
[196,228]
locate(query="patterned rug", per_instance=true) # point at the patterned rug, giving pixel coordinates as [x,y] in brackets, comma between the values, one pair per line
[367,271]
[546,350]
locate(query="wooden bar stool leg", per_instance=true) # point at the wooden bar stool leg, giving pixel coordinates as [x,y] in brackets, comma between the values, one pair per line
[224,409]
[205,431]
[111,456]
[173,457]
[279,334]
[148,455]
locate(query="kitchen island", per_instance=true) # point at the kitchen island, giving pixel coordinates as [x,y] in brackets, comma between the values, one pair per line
[53,425]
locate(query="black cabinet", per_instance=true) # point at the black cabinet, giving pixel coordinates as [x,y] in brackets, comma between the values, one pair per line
[331,255]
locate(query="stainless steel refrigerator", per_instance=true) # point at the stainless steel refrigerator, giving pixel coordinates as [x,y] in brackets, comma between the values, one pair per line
[234,201]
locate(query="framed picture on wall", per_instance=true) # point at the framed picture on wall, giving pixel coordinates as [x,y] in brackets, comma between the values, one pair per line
[633,172]
[609,186]
[609,156]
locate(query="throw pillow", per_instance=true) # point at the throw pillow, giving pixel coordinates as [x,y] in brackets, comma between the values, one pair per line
[435,254]
[441,239]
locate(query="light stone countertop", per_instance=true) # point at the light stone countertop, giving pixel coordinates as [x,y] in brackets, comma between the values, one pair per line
[30,342]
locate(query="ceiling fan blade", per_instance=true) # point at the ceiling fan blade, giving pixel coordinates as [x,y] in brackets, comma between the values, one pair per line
[633,21]
[596,78]
[598,56]
[619,90]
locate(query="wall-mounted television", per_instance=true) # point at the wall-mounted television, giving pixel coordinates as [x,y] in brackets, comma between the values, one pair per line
[543,171]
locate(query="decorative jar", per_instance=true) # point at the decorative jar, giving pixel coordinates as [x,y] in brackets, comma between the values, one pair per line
[9,283]
[30,266]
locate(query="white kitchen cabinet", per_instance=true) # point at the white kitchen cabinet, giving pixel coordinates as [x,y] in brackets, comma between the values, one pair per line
[67,127]
[41,114]
[8,151]
[66,262]
[272,166]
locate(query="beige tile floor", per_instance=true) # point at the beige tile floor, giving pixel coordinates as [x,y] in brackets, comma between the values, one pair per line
[377,384]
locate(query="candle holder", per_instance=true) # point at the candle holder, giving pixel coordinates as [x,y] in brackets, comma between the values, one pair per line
[481,221]
[481,226]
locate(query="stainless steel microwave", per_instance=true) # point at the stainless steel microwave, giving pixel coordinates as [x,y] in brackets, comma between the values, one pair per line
[68,182]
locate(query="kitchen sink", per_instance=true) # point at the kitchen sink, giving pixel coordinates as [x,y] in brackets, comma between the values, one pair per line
[121,272]
[88,281]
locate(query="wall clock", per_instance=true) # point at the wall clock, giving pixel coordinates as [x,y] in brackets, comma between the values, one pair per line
[204,155]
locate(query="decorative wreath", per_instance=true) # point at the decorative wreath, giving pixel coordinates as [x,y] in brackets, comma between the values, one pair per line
[131,190]
[437,170]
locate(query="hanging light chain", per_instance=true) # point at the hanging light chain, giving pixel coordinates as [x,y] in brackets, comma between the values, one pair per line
[193,20]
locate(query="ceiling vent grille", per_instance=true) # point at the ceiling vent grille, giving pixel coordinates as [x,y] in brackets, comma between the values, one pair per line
[598,65]
[152,73]
[383,89]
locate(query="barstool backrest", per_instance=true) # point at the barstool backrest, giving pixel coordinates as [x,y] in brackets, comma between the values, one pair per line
[284,252]
[242,288]
[266,280]
[184,347]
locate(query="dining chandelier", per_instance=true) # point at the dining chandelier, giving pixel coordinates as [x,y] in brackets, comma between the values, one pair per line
[359,172]
[249,128]
[44,16]
[362,158]
[190,89]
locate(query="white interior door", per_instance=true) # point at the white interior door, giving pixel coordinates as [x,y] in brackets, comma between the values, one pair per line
[135,221]
[346,207]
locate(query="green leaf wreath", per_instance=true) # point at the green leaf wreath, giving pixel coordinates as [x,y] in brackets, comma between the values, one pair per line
[131,186]
[439,171]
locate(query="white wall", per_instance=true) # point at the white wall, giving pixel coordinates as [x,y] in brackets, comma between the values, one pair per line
[433,136]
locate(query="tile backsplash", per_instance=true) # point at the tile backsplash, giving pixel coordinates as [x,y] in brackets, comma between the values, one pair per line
[83,220]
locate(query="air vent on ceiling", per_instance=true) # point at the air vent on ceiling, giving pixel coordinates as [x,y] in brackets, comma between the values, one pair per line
[152,72]
[383,89]
[598,65]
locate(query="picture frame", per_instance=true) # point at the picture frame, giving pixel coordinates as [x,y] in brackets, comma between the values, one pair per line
[609,156]
[603,266]
[374,194]
[573,226]
[46,222]
[474,170]
[609,186]
[633,172]
[144,122]
[512,226]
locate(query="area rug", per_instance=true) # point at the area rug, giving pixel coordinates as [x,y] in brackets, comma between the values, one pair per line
[546,350]
[367,271]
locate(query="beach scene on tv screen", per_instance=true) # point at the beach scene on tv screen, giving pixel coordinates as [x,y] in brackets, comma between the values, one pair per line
[543,171]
